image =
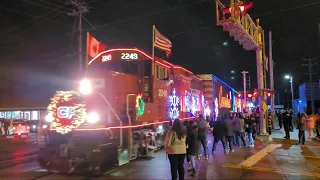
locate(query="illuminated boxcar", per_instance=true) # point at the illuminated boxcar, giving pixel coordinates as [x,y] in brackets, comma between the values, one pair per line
[120,112]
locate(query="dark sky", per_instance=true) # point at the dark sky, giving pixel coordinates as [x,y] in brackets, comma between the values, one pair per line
[38,42]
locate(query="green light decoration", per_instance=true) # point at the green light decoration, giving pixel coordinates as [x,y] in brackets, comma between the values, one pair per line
[140,105]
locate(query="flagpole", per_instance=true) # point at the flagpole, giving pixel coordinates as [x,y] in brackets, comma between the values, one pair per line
[153,63]
[87,57]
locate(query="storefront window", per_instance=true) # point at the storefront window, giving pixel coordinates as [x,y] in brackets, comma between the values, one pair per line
[16,115]
[8,115]
[35,115]
[27,115]
[2,115]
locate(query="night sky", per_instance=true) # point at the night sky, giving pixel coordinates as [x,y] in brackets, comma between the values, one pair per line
[39,45]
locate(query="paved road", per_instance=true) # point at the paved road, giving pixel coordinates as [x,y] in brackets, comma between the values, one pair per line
[276,160]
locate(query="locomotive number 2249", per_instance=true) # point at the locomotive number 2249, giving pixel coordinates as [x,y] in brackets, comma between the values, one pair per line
[128,56]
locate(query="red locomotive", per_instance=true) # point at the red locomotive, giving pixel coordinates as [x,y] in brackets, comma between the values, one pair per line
[121,111]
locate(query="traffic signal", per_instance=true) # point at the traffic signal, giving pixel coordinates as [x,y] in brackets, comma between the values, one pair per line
[242,8]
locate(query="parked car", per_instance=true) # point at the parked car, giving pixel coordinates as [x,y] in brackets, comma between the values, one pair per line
[20,129]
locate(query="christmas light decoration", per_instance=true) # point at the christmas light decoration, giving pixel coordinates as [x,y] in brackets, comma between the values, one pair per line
[140,105]
[216,108]
[174,105]
[66,111]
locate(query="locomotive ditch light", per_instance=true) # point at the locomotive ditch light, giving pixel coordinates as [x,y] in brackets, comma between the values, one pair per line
[85,87]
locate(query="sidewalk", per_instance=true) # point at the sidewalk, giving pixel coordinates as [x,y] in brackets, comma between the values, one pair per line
[278,137]
[159,166]
[265,161]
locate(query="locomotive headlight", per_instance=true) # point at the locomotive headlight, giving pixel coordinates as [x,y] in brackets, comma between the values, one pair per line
[49,118]
[85,87]
[93,117]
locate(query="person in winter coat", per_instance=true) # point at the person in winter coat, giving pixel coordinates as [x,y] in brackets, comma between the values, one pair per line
[318,126]
[175,145]
[203,126]
[186,124]
[229,135]
[302,128]
[249,129]
[269,122]
[311,122]
[279,115]
[239,126]
[219,132]
[286,124]
[192,146]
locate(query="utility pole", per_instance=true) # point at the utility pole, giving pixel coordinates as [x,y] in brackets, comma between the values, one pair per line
[249,82]
[80,7]
[271,72]
[244,74]
[310,65]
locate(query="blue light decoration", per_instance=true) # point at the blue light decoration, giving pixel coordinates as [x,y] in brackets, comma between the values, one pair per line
[174,101]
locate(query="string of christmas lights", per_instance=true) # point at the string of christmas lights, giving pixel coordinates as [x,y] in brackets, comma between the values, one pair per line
[66,111]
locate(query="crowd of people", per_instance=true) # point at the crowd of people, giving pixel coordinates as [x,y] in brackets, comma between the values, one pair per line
[184,140]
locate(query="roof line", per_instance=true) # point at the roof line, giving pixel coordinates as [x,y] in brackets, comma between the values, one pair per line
[224,83]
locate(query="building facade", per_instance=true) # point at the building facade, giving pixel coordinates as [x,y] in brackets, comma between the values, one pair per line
[303,104]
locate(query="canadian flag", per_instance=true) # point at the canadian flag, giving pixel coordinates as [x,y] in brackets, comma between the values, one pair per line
[94,47]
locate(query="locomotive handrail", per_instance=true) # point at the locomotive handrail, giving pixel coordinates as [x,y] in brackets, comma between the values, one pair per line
[114,112]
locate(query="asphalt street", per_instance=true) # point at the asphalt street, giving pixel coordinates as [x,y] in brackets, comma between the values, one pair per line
[279,159]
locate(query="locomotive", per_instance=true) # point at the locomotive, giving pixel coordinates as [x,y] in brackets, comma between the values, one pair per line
[120,112]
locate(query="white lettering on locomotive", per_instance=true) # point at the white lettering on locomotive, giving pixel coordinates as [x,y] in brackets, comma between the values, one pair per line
[163,93]
[65,112]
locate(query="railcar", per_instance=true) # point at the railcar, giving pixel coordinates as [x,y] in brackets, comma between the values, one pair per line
[121,111]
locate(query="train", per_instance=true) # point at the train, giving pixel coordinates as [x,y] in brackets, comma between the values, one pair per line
[120,111]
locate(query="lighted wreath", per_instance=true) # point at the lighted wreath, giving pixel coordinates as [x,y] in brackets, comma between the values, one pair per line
[140,105]
[66,111]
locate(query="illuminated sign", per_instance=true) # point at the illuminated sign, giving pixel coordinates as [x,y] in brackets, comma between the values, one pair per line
[224,102]
[129,56]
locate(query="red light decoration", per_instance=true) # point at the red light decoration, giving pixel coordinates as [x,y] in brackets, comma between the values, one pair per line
[239,95]
[249,95]
[123,127]
[163,62]
[269,94]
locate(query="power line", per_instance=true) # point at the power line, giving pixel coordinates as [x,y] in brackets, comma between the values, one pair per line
[54,5]
[289,9]
[125,20]
[40,5]
[145,15]
[31,15]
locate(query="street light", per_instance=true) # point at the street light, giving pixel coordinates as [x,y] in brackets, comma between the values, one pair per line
[292,94]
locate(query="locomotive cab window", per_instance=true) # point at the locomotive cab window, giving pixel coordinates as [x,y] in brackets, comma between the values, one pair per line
[162,73]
